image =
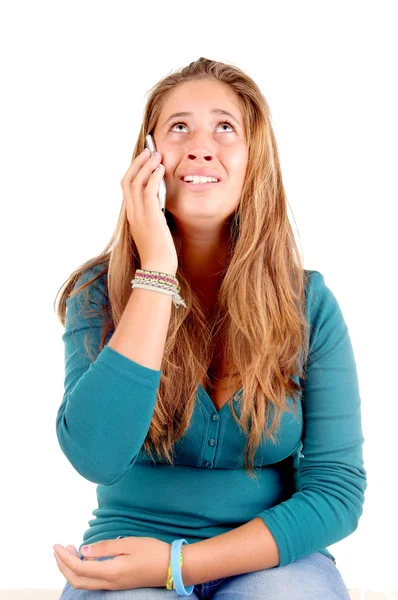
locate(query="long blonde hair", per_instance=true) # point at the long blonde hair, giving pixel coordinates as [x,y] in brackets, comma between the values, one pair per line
[260,311]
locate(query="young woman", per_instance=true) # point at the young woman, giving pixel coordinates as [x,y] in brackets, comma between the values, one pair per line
[211,390]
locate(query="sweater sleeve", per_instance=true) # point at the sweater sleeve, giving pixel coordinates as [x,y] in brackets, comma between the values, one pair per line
[331,481]
[108,401]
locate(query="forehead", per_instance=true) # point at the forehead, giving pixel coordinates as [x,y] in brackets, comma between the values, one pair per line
[200,97]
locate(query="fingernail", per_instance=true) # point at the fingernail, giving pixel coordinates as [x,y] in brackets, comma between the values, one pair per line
[144,150]
[86,549]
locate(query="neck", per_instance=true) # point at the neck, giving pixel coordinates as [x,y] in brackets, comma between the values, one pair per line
[204,261]
[205,257]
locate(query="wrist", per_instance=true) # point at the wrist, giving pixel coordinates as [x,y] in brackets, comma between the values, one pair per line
[189,569]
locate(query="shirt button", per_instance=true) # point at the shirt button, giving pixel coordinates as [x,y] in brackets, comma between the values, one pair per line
[212,442]
[207,463]
[214,417]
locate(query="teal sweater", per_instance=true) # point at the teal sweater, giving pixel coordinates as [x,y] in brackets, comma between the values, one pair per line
[309,489]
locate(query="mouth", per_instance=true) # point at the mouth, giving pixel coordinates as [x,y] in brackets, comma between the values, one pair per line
[199,186]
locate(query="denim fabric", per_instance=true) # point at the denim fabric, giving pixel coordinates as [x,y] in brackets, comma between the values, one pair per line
[315,576]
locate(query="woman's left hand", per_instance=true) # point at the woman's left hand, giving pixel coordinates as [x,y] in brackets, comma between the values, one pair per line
[138,562]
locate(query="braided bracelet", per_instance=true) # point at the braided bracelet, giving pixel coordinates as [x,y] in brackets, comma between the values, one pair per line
[158,282]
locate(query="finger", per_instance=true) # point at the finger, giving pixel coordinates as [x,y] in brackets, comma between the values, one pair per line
[81,583]
[152,188]
[72,549]
[140,169]
[102,570]
[133,183]
[136,164]
[141,179]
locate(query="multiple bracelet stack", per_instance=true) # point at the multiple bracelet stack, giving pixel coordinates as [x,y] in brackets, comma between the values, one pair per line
[174,578]
[158,282]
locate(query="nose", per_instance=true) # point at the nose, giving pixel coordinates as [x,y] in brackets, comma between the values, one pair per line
[200,155]
[201,146]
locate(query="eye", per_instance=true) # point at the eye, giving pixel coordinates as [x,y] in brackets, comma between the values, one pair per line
[221,123]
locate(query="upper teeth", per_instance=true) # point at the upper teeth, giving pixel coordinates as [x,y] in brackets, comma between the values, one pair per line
[200,179]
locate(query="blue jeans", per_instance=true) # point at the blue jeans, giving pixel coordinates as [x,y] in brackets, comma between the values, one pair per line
[315,576]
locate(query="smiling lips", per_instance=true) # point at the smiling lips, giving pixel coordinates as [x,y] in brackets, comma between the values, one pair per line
[198,180]
[200,185]
[200,172]
[199,177]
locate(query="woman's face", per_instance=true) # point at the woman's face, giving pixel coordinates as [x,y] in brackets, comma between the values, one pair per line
[202,140]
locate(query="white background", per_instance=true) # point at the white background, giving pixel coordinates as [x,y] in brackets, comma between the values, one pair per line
[74,79]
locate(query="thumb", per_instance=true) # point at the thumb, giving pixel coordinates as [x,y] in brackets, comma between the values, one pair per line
[103,548]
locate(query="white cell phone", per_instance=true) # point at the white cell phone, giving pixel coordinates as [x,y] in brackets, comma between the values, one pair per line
[150,144]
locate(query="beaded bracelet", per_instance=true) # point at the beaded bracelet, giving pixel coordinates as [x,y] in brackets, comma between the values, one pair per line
[169,582]
[158,282]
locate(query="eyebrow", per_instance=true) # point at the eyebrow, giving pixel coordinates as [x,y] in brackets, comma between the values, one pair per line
[218,111]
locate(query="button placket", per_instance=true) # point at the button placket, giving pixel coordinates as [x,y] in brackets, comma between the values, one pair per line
[213,432]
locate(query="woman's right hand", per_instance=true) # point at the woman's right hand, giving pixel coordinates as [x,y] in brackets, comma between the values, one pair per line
[148,224]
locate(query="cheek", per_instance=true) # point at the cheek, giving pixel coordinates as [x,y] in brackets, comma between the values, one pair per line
[237,160]
[238,166]
[170,160]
